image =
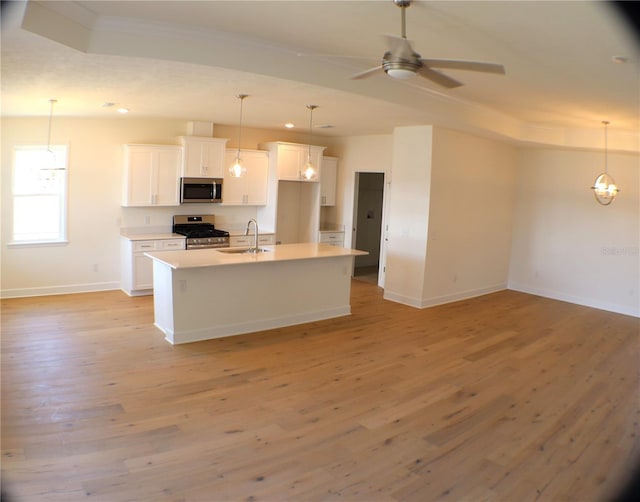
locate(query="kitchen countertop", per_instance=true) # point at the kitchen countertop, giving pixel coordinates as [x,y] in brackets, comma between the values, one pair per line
[194,258]
[151,237]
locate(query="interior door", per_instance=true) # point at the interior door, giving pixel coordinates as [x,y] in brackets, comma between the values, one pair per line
[368,216]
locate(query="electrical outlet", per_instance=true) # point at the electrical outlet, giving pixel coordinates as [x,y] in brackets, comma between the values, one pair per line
[96,267]
[183,285]
[147,220]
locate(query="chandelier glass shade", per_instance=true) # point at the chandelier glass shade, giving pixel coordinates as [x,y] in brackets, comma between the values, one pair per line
[604,187]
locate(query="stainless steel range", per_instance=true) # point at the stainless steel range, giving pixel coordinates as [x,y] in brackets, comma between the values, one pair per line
[200,231]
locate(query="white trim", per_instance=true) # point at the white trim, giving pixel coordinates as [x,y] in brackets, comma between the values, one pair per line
[242,328]
[59,290]
[36,244]
[422,303]
[578,300]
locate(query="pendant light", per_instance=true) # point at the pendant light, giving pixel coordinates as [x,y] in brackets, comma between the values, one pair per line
[604,187]
[50,162]
[237,170]
[310,172]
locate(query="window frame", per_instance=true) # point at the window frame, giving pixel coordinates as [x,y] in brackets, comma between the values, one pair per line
[62,168]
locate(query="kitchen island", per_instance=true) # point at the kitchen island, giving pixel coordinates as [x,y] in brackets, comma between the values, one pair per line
[201,294]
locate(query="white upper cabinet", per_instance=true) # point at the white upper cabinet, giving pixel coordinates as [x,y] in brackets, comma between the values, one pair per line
[290,159]
[151,175]
[203,157]
[250,189]
[328,181]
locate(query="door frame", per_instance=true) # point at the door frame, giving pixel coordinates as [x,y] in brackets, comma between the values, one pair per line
[384,227]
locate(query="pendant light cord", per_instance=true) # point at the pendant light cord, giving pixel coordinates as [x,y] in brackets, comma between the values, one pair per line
[51,102]
[606,145]
[311,107]
[241,98]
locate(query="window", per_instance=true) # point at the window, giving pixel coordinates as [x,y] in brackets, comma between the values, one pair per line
[39,195]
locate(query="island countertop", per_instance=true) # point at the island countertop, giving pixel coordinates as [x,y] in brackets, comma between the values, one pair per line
[195,258]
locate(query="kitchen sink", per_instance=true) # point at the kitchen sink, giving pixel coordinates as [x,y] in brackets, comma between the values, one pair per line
[242,250]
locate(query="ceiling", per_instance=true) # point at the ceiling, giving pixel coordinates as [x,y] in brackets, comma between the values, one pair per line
[189,60]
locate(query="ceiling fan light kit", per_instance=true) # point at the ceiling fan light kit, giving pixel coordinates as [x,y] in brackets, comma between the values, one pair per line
[604,187]
[401,62]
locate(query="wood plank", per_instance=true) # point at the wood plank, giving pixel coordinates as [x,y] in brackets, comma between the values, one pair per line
[503,397]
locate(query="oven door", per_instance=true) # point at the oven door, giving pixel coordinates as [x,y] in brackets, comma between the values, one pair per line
[200,190]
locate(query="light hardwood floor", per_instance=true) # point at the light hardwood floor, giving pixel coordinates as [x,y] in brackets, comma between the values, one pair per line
[506,397]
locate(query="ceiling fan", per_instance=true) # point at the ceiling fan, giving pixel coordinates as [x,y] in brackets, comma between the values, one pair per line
[402,62]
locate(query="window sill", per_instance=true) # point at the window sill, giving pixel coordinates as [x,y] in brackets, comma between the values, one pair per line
[36,244]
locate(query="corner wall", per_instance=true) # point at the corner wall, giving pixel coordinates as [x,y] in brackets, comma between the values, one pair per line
[470,218]
[565,245]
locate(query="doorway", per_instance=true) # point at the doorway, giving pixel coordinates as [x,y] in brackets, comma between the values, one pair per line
[369,203]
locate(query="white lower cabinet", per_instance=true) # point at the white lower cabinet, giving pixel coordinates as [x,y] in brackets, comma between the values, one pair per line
[332,238]
[236,241]
[136,276]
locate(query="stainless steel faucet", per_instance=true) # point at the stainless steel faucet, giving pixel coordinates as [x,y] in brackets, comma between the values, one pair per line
[254,249]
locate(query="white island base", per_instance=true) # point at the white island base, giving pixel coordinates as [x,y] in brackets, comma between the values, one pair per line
[204,294]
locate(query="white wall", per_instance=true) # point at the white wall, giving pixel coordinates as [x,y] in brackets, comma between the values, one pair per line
[408,214]
[567,246]
[91,259]
[365,154]
[470,219]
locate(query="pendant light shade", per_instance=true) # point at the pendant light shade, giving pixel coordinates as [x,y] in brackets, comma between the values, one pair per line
[238,170]
[604,187]
[310,172]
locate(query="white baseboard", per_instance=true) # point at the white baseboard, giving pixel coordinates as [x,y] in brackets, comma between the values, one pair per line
[578,300]
[59,290]
[242,328]
[441,300]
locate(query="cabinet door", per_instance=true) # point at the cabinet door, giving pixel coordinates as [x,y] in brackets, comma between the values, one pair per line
[138,177]
[290,160]
[142,272]
[167,177]
[257,178]
[203,157]
[250,189]
[234,189]
[192,165]
[293,158]
[151,175]
[213,158]
[328,181]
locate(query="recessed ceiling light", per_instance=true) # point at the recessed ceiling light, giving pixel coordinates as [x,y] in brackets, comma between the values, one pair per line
[325,126]
[107,104]
[123,110]
[289,125]
[620,59]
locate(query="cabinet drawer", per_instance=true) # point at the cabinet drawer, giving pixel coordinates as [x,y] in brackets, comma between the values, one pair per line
[143,246]
[237,241]
[171,244]
[331,237]
[266,239]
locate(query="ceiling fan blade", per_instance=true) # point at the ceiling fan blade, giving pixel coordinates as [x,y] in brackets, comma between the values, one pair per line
[367,73]
[455,64]
[399,47]
[438,78]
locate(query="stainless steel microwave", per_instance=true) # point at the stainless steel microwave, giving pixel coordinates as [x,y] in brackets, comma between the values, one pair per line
[200,190]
